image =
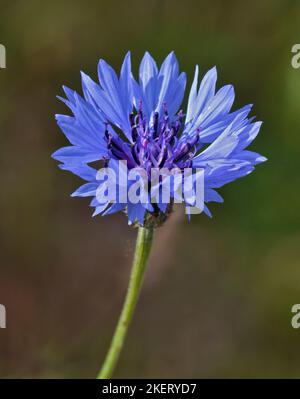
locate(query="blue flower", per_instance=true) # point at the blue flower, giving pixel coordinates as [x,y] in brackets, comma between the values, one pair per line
[140,122]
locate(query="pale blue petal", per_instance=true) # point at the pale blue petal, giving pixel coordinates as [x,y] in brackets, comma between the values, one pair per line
[211,195]
[86,190]
[199,99]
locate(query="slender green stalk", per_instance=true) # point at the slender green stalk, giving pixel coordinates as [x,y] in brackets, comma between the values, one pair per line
[142,250]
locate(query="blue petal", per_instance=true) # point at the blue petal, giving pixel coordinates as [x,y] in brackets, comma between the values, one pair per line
[222,147]
[148,83]
[85,130]
[126,86]
[176,97]
[91,90]
[102,101]
[199,99]
[211,195]
[82,170]
[218,178]
[86,190]
[73,154]
[116,207]
[246,135]
[207,211]
[100,209]
[113,94]
[219,105]
[213,130]
[136,212]
[252,157]
[70,95]
[167,77]
[157,89]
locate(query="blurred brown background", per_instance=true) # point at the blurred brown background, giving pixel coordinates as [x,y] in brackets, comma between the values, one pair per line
[218,293]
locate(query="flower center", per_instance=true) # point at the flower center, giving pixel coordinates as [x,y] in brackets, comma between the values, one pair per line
[155,143]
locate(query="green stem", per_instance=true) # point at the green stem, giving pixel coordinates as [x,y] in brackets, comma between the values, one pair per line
[142,250]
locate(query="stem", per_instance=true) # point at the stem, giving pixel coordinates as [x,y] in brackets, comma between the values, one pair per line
[142,250]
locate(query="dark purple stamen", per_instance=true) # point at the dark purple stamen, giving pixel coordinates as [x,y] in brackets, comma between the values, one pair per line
[154,144]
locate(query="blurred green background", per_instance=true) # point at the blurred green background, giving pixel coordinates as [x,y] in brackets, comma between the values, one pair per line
[218,293]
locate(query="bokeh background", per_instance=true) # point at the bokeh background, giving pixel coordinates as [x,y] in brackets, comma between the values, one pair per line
[218,293]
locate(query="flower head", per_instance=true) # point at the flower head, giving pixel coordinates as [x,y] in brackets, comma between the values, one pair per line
[141,123]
